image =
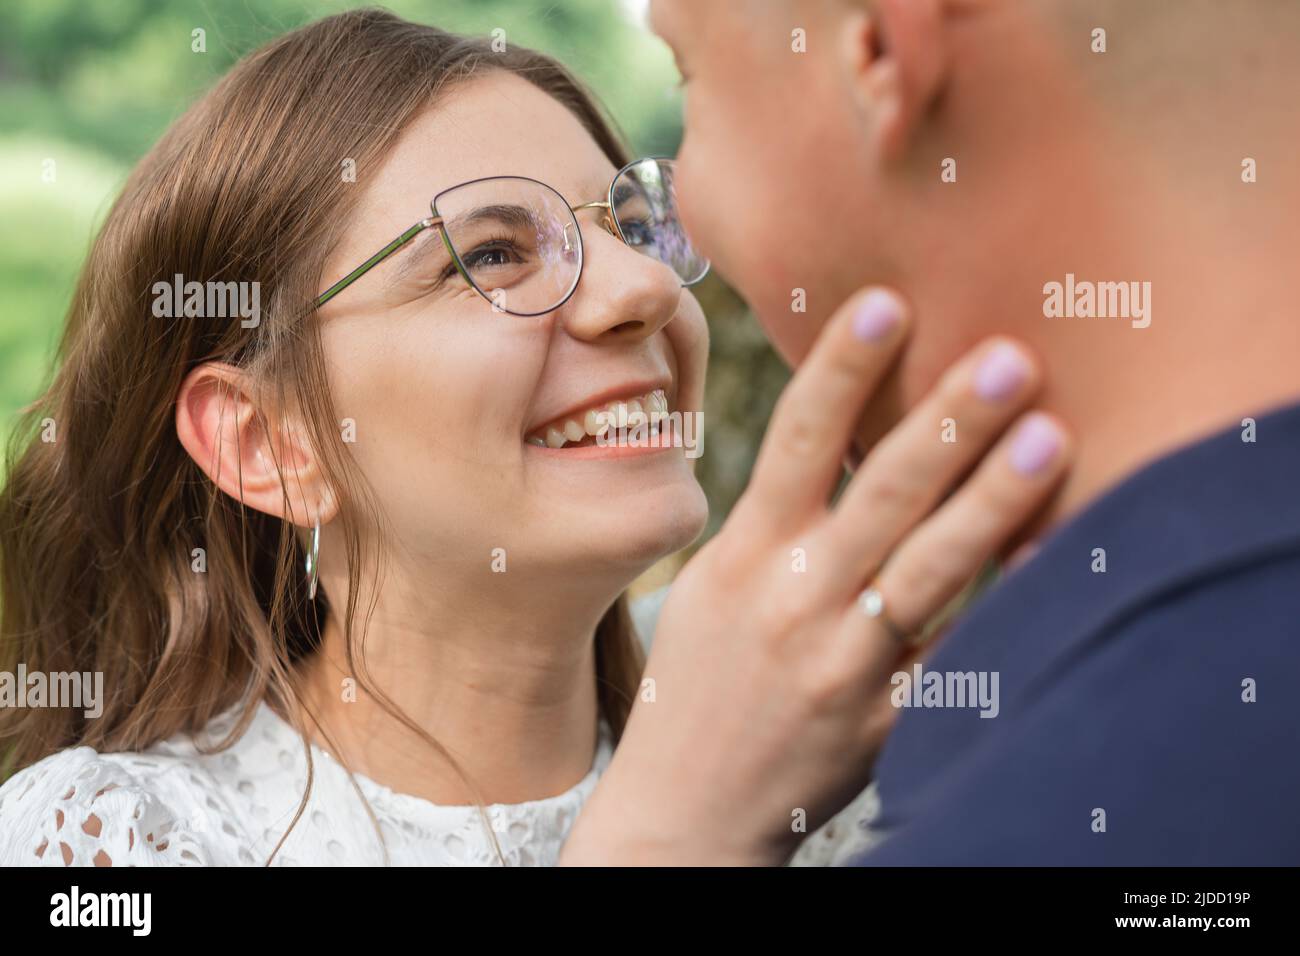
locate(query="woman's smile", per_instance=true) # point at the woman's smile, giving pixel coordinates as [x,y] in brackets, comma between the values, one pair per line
[500,288]
[598,420]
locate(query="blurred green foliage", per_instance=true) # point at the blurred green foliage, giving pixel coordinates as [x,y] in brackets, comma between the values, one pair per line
[112,73]
[86,87]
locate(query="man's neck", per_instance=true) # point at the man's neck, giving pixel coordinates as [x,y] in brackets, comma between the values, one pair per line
[1209,336]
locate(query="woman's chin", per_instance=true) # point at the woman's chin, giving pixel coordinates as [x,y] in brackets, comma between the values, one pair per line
[635,537]
[677,531]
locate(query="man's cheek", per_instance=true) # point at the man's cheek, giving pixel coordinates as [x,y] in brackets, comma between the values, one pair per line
[688,186]
[702,192]
[791,333]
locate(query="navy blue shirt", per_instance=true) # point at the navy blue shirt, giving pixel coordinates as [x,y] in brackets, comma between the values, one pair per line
[1147,715]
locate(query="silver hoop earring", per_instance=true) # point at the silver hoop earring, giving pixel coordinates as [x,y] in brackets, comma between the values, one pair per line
[312,566]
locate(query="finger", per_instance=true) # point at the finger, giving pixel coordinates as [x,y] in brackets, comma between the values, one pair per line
[802,453]
[949,548]
[913,467]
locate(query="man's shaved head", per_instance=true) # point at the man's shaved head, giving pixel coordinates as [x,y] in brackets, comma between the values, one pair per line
[973,153]
[1183,44]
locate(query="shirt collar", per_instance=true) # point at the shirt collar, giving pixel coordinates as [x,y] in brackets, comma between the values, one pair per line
[1204,508]
[1187,517]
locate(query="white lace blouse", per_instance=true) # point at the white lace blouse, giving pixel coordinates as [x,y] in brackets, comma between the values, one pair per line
[172,805]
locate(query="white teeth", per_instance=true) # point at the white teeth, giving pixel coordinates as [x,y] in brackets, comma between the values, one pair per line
[636,415]
[594,426]
[621,414]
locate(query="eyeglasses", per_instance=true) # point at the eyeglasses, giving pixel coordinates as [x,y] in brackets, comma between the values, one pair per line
[516,240]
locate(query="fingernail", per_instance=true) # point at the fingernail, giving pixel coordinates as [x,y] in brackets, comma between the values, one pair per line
[1001,373]
[877,316]
[1036,444]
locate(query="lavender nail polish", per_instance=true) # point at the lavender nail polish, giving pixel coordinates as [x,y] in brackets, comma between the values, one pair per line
[1035,445]
[877,316]
[1001,373]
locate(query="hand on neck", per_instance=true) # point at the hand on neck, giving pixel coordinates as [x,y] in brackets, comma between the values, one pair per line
[1080,196]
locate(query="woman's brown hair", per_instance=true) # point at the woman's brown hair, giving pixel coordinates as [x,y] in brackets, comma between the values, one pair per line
[99,526]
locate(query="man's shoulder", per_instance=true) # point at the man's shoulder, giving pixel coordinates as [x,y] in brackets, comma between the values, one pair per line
[1167,737]
[1236,626]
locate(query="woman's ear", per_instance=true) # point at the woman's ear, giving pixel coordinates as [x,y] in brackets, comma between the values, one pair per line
[260,459]
[896,64]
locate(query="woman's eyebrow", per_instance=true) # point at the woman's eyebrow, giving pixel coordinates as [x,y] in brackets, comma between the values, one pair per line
[418,252]
[623,192]
[508,214]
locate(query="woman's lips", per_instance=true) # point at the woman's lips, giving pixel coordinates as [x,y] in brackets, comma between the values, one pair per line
[584,427]
[662,439]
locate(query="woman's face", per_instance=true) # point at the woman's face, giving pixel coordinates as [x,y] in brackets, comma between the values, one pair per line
[444,392]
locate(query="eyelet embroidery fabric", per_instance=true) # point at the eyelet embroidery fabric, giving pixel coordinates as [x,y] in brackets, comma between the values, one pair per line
[174,806]
[171,805]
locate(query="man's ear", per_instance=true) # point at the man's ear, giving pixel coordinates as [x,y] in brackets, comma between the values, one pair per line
[217,422]
[897,66]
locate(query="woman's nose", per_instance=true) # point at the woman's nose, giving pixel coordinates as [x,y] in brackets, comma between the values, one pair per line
[623,293]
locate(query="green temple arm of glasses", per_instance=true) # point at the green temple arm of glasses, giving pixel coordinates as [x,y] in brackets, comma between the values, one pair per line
[406,237]
[383,254]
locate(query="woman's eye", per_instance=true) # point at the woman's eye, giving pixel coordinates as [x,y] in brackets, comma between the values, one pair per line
[637,232]
[491,257]
[487,256]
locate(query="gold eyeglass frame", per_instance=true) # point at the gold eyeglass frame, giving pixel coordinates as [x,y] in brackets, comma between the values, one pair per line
[609,222]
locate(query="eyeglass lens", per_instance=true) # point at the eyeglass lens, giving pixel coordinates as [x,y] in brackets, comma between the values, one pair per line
[517,240]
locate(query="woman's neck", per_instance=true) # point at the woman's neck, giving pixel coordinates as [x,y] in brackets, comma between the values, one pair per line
[505,682]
